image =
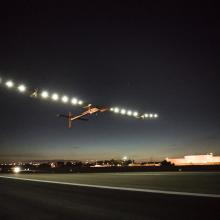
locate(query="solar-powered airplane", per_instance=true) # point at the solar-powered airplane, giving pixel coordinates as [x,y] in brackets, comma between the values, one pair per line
[90,110]
[55,97]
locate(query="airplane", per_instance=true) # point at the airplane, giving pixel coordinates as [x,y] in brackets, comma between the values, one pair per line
[90,110]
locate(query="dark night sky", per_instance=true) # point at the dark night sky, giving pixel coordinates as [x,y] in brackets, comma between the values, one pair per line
[145,56]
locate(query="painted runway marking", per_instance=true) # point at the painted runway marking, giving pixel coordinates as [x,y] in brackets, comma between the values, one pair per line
[118,188]
[142,174]
[168,174]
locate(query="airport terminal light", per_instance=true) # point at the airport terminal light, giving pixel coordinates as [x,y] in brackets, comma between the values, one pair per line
[9,84]
[74,101]
[22,88]
[44,94]
[65,99]
[55,97]
[16,169]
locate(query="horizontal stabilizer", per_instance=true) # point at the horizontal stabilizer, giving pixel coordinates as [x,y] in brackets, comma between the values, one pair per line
[62,116]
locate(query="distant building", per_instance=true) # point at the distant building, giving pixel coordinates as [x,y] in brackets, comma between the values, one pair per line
[57,164]
[144,165]
[207,159]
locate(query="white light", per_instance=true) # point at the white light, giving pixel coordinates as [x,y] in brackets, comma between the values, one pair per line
[44,94]
[123,111]
[16,169]
[80,102]
[65,99]
[9,84]
[116,110]
[151,115]
[22,88]
[129,112]
[135,114]
[74,101]
[155,115]
[146,115]
[55,96]
[111,109]
[125,158]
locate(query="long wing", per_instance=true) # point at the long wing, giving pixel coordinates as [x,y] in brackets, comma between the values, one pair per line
[45,95]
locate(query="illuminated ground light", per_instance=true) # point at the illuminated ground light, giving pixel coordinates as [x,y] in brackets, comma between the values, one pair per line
[22,88]
[16,169]
[44,94]
[125,158]
[74,101]
[9,84]
[65,99]
[55,97]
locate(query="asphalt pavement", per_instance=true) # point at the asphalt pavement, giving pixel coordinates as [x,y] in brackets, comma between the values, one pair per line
[35,200]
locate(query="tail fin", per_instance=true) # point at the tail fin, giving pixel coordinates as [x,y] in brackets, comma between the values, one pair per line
[62,116]
[69,120]
[68,117]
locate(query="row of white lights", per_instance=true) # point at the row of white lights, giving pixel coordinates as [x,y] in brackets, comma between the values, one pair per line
[44,94]
[132,113]
[10,84]
[65,99]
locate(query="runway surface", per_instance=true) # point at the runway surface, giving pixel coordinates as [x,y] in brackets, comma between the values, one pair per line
[21,199]
[191,182]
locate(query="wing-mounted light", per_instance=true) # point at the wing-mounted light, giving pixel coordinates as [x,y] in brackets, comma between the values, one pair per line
[135,114]
[149,116]
[9,84]
[124,111]
[22,88]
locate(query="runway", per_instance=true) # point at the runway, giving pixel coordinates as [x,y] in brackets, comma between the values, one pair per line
[40,200]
